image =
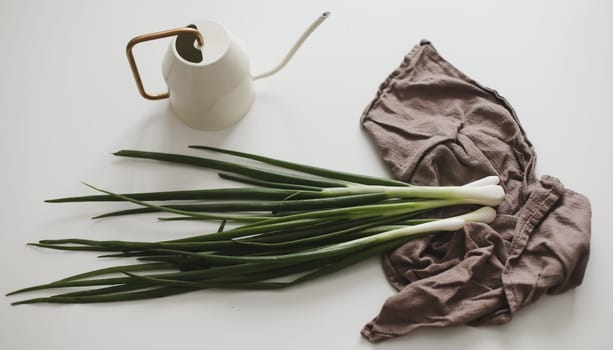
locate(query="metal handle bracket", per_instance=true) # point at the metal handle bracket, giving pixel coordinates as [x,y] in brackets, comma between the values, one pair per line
[155,36]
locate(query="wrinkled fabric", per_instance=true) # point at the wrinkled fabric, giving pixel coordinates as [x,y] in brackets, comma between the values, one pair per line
[435,126]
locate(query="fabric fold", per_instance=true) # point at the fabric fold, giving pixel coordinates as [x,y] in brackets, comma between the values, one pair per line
[434,125]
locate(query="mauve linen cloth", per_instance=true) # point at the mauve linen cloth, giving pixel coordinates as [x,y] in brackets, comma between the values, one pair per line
[434,125]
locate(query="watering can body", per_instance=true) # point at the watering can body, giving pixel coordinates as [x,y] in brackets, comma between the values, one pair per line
[217,91]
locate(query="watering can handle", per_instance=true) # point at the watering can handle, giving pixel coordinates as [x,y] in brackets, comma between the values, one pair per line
[154,36]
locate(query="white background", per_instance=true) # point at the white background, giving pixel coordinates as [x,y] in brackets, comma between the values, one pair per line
[67,100]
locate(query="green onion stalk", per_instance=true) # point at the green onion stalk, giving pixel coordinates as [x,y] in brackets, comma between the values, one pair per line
[291,224]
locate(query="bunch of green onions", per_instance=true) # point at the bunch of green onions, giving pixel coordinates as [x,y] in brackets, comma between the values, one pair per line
[293,223]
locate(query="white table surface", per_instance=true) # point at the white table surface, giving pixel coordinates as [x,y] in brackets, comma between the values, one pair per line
[67,100]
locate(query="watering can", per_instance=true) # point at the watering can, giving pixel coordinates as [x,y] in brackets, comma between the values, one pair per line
[210,85]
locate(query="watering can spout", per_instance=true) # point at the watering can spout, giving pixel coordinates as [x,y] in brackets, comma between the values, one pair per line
[295,47]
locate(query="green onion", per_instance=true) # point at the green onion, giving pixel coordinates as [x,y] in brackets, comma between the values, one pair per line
[294,224]
[366,180]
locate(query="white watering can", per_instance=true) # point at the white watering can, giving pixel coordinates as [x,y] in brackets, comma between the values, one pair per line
[210,85]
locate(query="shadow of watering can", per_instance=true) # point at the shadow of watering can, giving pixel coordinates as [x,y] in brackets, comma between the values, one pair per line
[210,85]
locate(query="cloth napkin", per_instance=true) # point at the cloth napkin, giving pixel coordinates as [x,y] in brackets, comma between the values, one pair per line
[434,125]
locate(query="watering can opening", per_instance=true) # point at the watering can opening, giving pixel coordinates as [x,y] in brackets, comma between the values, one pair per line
[186,48]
